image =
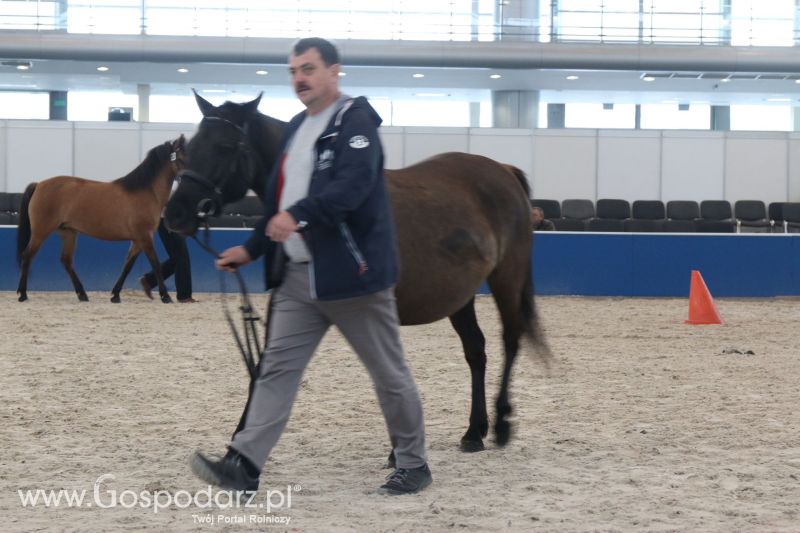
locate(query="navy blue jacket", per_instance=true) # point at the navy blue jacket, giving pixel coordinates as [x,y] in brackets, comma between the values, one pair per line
[346,217]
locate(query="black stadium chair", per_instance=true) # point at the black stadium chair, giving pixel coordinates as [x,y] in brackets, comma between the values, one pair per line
[9,207]
[569,224]
[751,216]
[605,224]
[648,216]
[643,225]
[683,210]
[551,208]
[775,214]
[679,226]
[613,208]
[791,214]
[716,216]
[580,209]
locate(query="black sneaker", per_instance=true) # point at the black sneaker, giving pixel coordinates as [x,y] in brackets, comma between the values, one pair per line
[407,480]
[234,471]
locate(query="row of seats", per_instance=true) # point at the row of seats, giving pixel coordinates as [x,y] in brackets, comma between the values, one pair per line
[683,216]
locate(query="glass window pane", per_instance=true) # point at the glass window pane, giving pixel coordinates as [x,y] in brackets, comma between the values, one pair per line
[24,105]
[93,106]
[669,117]
[594,116]
[761,117]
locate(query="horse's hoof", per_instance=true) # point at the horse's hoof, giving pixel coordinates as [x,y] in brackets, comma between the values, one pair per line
[502,432]
[115,299]
[166,299]
[22,297]
[83,297]
[471,446]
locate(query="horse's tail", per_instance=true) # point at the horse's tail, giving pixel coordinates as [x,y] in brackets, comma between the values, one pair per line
[533,328]
[24,223]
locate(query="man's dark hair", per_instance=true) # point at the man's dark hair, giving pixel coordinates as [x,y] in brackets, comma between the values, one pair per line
[326,49]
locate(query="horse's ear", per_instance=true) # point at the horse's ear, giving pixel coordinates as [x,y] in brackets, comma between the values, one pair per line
[205,106]
[179,143]
[251,107]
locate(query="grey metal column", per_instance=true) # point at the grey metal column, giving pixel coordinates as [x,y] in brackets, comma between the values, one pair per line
[720,118]
[515,109]
[556,116]
[143,90]
[58,105]
[518,20]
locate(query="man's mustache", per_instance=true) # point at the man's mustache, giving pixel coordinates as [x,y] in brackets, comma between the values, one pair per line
[301,88]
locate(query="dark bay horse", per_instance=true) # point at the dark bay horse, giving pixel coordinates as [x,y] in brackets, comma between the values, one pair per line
[461,219]
[128,208]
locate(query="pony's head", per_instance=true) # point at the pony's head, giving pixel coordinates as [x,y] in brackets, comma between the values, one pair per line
[218,165]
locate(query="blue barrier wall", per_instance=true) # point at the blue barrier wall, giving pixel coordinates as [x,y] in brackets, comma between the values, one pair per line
[591,264]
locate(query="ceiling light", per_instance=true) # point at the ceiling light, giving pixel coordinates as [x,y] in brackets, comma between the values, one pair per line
[418,75]
[797,81]
[23,67]
[572,77]
[102,69]
[183,70]
[726,80]
[648,78]
[495,76]
[262,72]
[343,74]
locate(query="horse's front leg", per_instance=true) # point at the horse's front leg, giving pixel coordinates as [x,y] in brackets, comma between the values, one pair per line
[130,259]
[465,323]
[68,240]
[150,252]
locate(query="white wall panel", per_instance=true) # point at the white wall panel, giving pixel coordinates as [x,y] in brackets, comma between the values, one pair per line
[509,146]
[793,187]
[105,152]
[629,165]
[35,151]
[421,143]
[756,167]
[692,166]
[153,135]
[564,164]
[393,139]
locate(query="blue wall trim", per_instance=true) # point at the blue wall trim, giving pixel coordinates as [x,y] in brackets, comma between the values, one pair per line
[589,264]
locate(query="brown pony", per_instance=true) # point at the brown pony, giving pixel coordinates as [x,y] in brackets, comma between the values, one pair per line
[461,219]
[128,208]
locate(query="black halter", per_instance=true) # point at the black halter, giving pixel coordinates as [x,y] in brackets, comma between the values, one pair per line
[242,158]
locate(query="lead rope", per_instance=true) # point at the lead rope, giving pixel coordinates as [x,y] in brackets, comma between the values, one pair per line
[250,345]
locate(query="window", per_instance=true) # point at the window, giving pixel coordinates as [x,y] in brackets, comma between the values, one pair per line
[671,117]
[761,117]
[93,106]
[594,116]
[24,105]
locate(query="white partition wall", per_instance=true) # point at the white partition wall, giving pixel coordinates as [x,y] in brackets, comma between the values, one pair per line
[35,151]
[692,165]
[560,164]
[564,164]
[757,167]
[629,164]
[421,143]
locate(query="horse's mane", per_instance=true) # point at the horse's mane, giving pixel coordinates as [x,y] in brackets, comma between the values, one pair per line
[142,177]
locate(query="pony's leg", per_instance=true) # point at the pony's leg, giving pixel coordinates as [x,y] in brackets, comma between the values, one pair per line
[130,259]
[26,258]
[507,292]
[68,240]
[465,323]
[150,252]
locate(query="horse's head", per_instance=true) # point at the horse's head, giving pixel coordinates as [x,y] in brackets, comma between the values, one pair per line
[218,166]
[177,157]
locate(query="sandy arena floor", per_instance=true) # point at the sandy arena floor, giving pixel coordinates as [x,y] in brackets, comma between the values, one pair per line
[643,423]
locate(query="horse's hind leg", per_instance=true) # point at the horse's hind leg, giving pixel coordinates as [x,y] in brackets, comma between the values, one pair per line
[26,258]
[130,259]
[507,288]
[150,252]
[465,323]
[68,240]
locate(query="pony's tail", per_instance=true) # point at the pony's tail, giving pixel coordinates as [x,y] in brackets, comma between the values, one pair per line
[533,329]
[24,224]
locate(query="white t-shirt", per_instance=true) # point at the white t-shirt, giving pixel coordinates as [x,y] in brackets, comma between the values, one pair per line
[297,171]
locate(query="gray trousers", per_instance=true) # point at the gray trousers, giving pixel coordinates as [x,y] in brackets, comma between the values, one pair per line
[297,325]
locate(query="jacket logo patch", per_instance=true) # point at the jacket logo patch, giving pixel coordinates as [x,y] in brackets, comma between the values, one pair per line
[325,159]
[358,141]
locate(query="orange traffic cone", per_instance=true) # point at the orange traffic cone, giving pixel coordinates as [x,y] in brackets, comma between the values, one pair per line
[701,305]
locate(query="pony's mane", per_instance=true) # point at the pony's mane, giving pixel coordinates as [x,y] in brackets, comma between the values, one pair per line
[142,177]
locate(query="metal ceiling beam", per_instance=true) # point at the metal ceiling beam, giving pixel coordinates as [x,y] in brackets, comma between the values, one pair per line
[496,54]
